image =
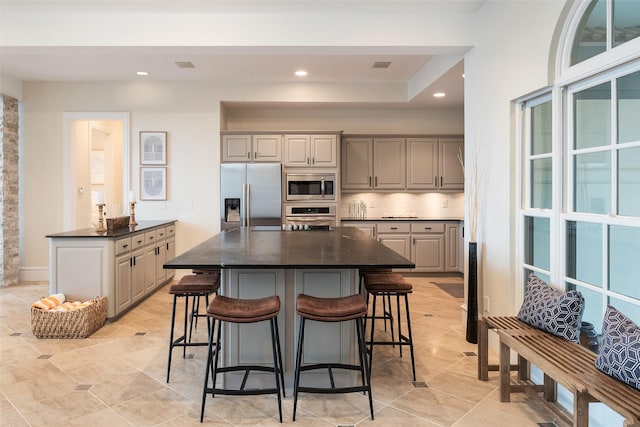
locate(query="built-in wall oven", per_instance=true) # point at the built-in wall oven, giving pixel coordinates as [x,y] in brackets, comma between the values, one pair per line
[310,186]
[313,217]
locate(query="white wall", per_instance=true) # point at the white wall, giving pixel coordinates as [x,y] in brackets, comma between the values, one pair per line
[190,113]
[505,63]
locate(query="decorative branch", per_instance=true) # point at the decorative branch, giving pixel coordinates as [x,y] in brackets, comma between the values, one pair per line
[472,185]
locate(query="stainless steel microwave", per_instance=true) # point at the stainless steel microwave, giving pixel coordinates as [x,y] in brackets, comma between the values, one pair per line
[310,186]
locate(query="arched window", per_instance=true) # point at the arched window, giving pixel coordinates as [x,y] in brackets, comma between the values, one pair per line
[579,153]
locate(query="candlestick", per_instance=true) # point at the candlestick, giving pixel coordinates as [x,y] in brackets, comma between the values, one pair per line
[100,228]
[132,214]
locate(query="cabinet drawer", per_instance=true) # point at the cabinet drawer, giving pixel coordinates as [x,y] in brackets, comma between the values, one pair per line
[150,237]
[427,227]
[161,233]
[123,245]
[393,227]
[137,241]
[171,230]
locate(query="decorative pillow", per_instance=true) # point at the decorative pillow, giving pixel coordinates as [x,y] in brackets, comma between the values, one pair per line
[553,310]
[619,354]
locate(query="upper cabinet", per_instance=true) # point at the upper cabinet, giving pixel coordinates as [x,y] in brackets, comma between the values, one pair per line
[422,164]
[357,163]
[373,163]
[319,151]
[399,163]
[251,148]
[451,152]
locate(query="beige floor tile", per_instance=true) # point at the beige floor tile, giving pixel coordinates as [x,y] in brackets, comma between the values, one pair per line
[117,377]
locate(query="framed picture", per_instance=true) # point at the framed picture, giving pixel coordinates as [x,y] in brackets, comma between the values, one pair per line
[153,183]
[153,148]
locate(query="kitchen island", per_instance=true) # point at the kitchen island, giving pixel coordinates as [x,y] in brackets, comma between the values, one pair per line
[262,262]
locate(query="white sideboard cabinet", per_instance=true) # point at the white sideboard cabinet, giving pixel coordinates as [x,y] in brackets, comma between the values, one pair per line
[124,265]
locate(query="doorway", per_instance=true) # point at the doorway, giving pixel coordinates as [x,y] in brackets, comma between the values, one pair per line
[96,160]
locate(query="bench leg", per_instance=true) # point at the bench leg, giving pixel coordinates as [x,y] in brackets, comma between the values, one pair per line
[581,409]
[524,369]
[483,350]
[505,372]
[550,389]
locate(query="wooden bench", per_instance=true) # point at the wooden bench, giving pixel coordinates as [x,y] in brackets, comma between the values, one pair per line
[569,364]
[496,322]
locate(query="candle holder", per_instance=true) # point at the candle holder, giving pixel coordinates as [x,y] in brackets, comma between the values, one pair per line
[132,214]
[100,228]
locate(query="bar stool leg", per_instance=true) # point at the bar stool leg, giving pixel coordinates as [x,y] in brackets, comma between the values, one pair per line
[362,349]
[173,323]
[413,360]
[208,369]
[277,364]
[296,380]
[280,364]
[184,332]
[373,324]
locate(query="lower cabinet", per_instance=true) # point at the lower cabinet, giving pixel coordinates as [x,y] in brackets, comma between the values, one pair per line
[123,269]
[428,246]
[452,261]
[433,246]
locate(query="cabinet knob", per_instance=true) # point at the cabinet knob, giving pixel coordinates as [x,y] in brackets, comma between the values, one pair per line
[394,228]
[427,228]
[125,246]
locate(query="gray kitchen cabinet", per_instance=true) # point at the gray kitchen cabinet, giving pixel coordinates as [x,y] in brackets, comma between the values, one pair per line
[452,258]
[389,163]
[373,163]
[137,274]
[251,148]
[422,164]
[396,236]
[412,163]
[450,169]
[357,163]
[123,281]
[366,227]
[428,246]
[86,264]
[320,151]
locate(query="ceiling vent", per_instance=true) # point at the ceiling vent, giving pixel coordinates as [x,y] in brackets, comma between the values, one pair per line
[184,64]
[381,64]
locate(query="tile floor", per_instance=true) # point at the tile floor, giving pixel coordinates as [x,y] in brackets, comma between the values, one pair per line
[117,376]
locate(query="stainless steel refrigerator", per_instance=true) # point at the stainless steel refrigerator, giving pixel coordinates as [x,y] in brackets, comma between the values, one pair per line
[250,195]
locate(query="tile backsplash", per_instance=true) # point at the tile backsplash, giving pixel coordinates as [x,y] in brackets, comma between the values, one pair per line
[421,205]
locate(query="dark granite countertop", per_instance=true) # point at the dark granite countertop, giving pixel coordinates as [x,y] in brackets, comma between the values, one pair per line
[342,247]
[118,232]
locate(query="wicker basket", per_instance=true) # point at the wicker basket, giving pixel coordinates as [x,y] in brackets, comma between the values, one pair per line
[69,324]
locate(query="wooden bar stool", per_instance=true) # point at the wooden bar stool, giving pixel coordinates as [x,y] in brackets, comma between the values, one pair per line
[234,310]
[192,286]
[339,309]
[387,314]
[387,285]
[195,302]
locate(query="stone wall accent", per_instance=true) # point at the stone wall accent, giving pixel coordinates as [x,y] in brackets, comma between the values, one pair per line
[9,183]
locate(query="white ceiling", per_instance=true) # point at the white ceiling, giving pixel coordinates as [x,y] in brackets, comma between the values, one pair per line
[246,64]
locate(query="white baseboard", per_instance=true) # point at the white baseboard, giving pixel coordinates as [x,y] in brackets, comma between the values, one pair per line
[34,274]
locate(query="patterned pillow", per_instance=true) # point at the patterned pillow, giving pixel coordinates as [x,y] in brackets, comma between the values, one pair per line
[619,354]
[553,310]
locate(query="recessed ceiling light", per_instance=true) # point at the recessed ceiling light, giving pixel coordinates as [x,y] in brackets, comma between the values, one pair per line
[142,73]
[301,73]
[439,95]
